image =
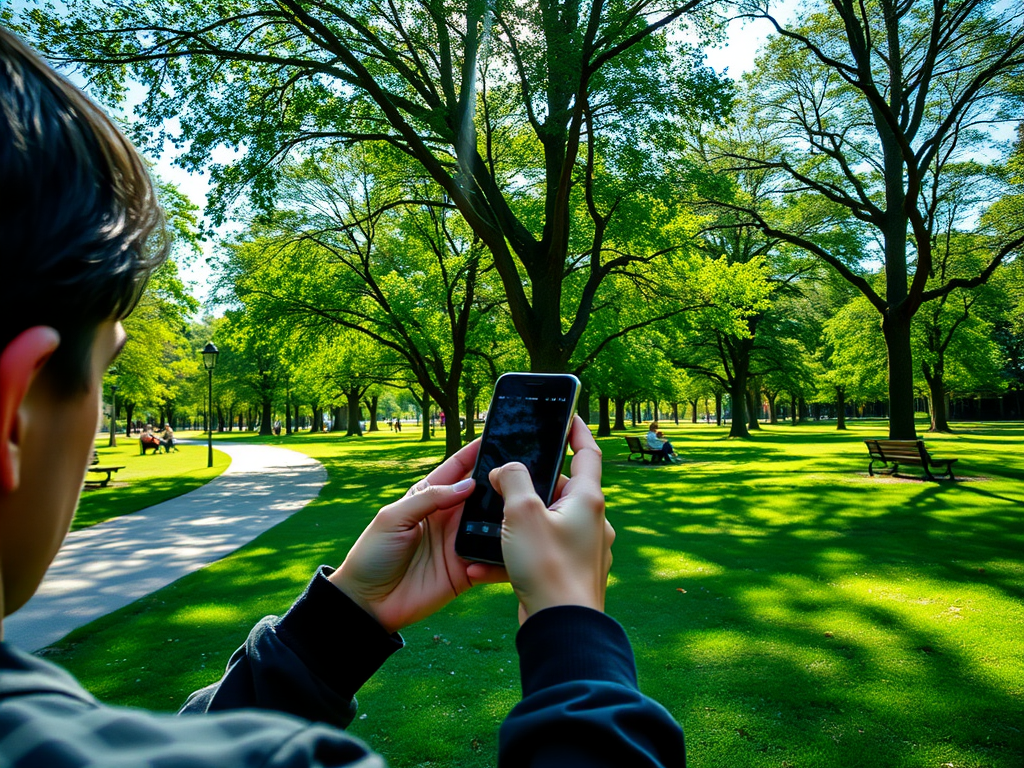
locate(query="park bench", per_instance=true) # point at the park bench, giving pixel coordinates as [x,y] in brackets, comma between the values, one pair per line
[642,451]
[896,452]
[144,446]
[99,482]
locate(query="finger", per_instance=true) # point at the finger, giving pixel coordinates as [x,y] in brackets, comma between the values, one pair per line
[422,485]
[482,573]
[414,507]
[455,467]
[560,487]
[586,457]
[513,483]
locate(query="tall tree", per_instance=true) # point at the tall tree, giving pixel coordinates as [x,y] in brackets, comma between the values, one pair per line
[870,106]
[718,342]
[388,261]
[525,114]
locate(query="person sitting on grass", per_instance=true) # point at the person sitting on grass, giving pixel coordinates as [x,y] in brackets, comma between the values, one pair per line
[77,225]
[656,443]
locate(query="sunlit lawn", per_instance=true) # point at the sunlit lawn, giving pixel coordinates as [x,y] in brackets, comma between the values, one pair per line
[145,480]
[786,608]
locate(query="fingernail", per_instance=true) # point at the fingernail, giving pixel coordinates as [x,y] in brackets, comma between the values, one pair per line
[462,485]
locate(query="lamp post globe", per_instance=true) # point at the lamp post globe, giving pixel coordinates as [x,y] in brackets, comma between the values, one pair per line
[210,353]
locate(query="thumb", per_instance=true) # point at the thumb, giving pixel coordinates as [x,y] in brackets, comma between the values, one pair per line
[422,502]
[514,484]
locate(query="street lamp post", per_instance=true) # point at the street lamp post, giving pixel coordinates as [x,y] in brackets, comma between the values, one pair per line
[113,416]
[210,353]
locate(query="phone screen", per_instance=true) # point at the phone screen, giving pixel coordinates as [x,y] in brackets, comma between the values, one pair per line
[527,421]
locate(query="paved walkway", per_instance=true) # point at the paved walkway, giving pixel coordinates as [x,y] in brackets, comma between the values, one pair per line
[107,566]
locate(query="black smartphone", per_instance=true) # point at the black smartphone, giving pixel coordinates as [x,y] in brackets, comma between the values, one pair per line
[528,421]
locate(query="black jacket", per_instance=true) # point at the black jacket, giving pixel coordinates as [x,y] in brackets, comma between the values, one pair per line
[580,707]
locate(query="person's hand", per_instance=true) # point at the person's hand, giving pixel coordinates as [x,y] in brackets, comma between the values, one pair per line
[558,555]
[403,567]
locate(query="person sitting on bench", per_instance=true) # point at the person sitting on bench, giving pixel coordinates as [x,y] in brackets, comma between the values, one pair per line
[148,440]
[655,443]
[167,439]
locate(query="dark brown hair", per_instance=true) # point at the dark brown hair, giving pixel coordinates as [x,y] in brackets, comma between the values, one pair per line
[80,226]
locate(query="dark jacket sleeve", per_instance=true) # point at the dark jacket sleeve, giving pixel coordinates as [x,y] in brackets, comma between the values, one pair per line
[309,663]
[581,704]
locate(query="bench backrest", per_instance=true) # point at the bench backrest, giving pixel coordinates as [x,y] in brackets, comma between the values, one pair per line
[634,444]
[897,449]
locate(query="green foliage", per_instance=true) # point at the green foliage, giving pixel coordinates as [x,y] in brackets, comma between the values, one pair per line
[542,125]
[157,363]
[856,352]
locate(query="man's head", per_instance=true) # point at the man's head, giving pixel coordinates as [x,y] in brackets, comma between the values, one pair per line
[654,426]
[78,214]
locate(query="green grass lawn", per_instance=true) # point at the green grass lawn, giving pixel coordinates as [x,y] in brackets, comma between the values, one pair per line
[786,608]
[145,480]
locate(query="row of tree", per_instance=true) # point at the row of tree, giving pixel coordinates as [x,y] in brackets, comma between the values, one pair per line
[441,190]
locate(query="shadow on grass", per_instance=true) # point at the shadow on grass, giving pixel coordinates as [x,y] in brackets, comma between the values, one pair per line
[783,607]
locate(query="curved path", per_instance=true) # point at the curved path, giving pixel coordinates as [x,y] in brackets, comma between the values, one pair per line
[109,565]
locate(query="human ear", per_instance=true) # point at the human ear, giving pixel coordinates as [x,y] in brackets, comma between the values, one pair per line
[20,361]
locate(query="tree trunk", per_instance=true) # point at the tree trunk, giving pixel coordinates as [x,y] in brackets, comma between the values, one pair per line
[129,411]
[620,413]
[636,408]
[604,426]
[738,395]
[718,409]
[901,378]
[937,400]
[675,413]
[470,433]
[583,404]
[840,408]
[452,428]
[266,409]
[752,410]
[318,419]
[288,414]
[773,417]
[425,408]
[371,406]
[354,413]
[693,411]
[220,419]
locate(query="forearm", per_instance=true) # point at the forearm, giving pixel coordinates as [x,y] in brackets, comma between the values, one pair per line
[308,663]
[581,704]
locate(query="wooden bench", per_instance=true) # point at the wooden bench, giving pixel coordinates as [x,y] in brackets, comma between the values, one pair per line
[94,466]
[101,482]
[154,447]
[642,451]
[896,452]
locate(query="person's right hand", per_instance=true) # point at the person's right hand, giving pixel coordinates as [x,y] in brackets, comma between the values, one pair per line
[561,555]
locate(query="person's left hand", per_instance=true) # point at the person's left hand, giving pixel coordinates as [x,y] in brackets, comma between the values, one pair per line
[403,567]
